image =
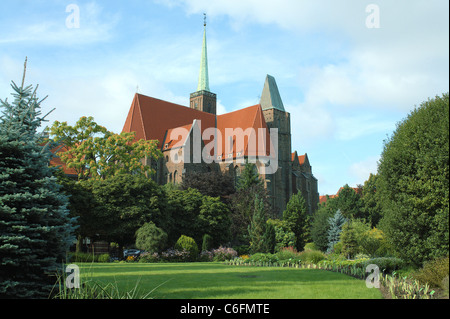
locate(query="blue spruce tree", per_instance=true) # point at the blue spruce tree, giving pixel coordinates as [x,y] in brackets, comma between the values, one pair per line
[35,227]
[334,231]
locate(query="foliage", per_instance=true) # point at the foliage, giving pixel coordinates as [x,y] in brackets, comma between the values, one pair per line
[287,253]
[434,272]
[206,242]
[223,253]
[336,222]
[123,203]
[386,264]
[320,226]
[414,183]
[249,177]
[310,246]
[283,236]
[214,183]
[312,256]
[94,152]
[371,205]
[349,241]
[257,228]
[35,227]
[269,238]
[242,205]
[151,238]
[297,219]
[188,244]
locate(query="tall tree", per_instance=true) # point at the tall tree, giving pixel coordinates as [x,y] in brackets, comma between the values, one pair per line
[334,232]
[257,228]
[94,152]
[35,227]
[414,183]
[298,220]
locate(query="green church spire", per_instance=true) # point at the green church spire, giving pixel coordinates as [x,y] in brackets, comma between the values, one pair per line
[203,81]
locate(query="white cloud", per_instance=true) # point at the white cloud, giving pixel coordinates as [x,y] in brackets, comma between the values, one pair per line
[361,171]
[95,26]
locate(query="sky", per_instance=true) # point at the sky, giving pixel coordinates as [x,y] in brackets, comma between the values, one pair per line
[347,71]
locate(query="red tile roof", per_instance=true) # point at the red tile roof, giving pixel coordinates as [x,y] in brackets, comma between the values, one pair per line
[154,119]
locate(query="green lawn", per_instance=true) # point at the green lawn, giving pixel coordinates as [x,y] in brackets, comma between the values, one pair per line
[216,280]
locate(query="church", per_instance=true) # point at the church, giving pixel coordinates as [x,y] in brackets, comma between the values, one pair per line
[195,139]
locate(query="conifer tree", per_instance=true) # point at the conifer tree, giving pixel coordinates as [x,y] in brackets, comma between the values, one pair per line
[35,227]
[257,228]
[298,220]
[334,232]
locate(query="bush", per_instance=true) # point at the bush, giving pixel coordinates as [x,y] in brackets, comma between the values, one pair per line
[434,272]
[287,253]
[148,257]
[222,254]
[151,238]
[310,246]
[312,256]
[188,244]
[260,257]
[104,258]
[386,264]
[207,242]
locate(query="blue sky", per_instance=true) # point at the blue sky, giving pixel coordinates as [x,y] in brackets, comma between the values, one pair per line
[344,84]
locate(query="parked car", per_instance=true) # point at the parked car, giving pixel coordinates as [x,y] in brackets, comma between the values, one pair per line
[131,252]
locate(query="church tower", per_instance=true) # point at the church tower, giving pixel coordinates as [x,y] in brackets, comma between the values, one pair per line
[277,117]
[203,99]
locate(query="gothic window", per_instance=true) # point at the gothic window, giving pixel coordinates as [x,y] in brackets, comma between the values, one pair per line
[175,174]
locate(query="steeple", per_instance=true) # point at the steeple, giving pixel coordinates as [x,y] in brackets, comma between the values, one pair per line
[203,81]
[270,97]
[203,99]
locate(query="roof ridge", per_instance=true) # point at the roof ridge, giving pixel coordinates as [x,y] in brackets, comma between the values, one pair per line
[142,120]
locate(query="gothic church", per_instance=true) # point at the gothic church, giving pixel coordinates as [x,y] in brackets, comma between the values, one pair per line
[176,127]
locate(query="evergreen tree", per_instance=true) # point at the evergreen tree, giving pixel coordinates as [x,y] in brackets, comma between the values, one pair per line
[35,227]
[297,219]
[257,228]
[249,177]
[336,222]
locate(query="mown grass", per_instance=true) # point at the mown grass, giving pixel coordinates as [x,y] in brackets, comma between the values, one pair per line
[216,280]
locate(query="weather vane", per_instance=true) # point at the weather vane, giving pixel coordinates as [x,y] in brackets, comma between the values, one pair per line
[204,19]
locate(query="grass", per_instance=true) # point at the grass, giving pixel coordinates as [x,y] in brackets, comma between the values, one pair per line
[216,280]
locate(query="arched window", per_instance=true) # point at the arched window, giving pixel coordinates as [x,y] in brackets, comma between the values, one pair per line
[170,178]
[175,175]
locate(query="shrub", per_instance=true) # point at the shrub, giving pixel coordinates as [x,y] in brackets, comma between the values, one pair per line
[386,264]
[242,249]
[260,257]
[151,238]
[287,253]
[148,257]
[188,244]
[207,242]
[206,255]
[104,258]
[174,255]
[223,253]
[310,246]
[312,256]
[434,272]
